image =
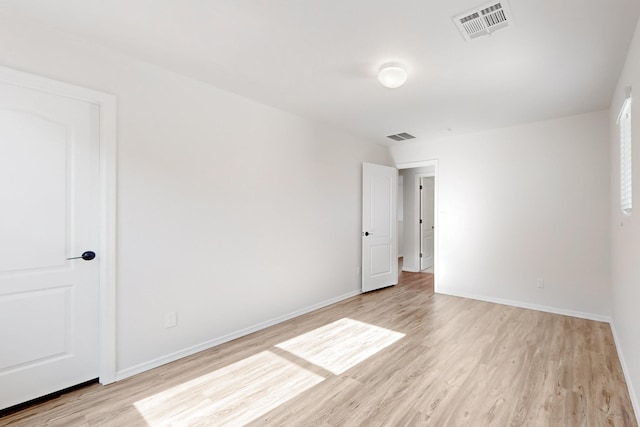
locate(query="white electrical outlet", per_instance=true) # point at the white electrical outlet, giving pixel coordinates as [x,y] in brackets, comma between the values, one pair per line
[540,282]
[170,319]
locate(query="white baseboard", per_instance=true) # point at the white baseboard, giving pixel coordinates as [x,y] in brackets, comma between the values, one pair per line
[625,371]
[520,304]
[411,270]
[172,357]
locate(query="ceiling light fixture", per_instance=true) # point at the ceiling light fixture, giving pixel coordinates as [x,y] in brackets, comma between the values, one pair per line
[392,75]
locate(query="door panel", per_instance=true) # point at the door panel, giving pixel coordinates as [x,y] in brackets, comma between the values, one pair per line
[33,155]
[49,186]
[380,260]
[379,213]
[25,309]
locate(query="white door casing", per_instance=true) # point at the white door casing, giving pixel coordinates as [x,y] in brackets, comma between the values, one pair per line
[57,181]
[427,222]
[379,227]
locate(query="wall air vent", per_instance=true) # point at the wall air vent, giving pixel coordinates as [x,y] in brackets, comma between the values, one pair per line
[484,20]
[401,136]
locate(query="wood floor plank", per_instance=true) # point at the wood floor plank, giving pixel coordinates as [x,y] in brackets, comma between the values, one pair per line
[397,356]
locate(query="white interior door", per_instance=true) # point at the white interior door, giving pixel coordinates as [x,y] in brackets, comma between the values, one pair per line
[49,187]
[379,216]
[427,216]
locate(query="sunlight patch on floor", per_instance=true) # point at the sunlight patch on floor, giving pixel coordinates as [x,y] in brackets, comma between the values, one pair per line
[340,345]
[233,395]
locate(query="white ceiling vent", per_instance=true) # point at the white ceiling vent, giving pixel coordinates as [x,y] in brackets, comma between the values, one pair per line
[484,20]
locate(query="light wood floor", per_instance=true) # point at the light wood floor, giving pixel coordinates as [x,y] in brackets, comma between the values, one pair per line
[394,357]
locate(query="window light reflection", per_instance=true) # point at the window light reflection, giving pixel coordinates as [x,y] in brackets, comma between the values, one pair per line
[340,345]
[233,395]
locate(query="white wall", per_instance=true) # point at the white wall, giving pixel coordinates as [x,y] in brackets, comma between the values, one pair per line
[520,203]
[625,230]
[230,212]
[411,250]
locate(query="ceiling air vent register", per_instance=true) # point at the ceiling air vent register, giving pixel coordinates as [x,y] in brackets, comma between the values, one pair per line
[401,136]
[484,20]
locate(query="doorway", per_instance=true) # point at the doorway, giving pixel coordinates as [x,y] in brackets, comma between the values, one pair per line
[419,238]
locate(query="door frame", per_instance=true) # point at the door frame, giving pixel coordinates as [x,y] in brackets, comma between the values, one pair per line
[436,234]
[107,225]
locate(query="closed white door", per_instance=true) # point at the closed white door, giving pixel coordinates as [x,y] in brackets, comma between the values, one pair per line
[379,216]
[50,212]
[427,194]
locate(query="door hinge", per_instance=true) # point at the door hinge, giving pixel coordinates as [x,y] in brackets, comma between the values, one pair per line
[421,187]
[420,254]
[420,221]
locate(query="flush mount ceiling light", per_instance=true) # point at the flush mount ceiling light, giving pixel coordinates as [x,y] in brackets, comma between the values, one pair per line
[392,75]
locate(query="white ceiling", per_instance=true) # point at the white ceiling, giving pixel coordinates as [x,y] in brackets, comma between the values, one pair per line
[319,58]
